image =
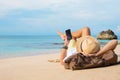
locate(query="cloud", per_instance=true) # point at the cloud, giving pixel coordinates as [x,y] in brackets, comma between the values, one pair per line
[41,14]
[7,6]
[118,28]
[61,9]
[75,8]
[29,4]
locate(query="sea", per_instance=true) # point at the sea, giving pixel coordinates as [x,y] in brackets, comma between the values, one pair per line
[16,46]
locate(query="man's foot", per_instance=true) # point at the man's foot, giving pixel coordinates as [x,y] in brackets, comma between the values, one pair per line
[55,61]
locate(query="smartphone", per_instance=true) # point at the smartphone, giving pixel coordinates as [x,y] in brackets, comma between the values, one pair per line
[68,34]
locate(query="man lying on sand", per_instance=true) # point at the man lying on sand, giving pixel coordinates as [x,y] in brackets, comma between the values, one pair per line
[83,42]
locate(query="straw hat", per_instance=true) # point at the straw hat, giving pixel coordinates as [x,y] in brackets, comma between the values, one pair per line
[87,45]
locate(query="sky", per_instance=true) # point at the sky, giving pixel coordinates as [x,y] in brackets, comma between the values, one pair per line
[45,17]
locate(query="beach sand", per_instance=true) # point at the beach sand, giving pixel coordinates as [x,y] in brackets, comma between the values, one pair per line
[38,68]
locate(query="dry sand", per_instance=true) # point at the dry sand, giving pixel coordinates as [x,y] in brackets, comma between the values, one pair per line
[38,68]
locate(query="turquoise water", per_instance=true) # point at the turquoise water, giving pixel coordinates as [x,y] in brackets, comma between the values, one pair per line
[28,45]
[11,46]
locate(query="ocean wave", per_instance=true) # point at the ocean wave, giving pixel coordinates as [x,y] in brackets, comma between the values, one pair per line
[58,43]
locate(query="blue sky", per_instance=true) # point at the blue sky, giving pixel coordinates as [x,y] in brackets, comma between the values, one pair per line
[45,17]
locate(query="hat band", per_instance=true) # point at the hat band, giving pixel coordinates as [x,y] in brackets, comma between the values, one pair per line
[81,46]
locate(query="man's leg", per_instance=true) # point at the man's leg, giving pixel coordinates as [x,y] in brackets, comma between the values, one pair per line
[85,31]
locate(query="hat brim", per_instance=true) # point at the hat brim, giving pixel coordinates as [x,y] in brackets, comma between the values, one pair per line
[80,41]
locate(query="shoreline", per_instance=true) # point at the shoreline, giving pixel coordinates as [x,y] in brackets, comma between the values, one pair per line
[37,67]
[30,53]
